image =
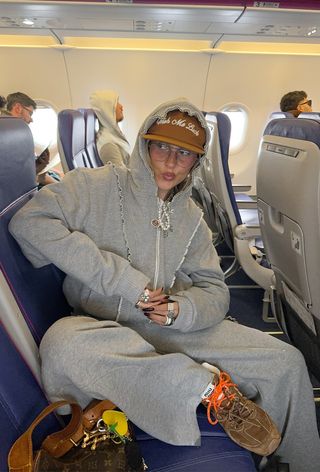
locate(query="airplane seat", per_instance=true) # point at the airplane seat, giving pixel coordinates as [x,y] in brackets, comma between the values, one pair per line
[90,120]
[311,115]
[201,194]
[275,115]
[239,226]
[71,140]
[21,400]
[288,186]
[31,299]
[279,114]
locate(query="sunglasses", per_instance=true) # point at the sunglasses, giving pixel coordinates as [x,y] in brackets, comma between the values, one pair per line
[307,102]
[161,152]
[29,111]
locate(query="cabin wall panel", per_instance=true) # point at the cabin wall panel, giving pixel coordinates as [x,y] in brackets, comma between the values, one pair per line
[38,72]
[143,79]
[258,82]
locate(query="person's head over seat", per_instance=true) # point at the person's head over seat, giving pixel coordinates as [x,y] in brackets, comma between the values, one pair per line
[175,144]
[296,102]
[21,106]
[107,107]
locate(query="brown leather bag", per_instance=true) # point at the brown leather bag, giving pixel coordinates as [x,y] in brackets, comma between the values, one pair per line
[62,451]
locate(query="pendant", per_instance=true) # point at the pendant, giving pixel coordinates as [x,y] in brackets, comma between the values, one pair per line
[155,223]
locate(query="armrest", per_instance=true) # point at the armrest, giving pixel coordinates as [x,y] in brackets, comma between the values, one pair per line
[247,231]
[247,204]
[241,188]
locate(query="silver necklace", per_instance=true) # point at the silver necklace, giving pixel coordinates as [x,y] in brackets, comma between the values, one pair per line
[163,221]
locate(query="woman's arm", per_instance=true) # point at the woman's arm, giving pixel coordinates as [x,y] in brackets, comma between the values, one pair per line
[49,230]
[206,302]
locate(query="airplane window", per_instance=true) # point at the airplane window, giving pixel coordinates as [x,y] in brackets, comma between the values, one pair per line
[44,131]
[239,118]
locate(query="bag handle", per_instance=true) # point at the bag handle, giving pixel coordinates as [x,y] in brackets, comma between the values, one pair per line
[59,443]
[20,457]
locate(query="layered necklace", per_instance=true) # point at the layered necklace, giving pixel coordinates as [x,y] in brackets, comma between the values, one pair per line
[163,221]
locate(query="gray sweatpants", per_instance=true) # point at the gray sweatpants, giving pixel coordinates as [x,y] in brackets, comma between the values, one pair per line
[154,375]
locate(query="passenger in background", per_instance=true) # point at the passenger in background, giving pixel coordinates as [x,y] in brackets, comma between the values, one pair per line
[22,106]
[150,303]
[3,103]
[296,102]
[111,142]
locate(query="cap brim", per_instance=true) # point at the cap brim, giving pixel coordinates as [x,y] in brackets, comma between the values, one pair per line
[175,142]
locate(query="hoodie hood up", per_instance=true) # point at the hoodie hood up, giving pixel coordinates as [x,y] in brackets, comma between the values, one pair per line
[104,103]
[140,160]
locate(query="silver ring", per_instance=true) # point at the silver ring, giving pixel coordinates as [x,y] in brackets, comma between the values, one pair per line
[170,315]
[145,296]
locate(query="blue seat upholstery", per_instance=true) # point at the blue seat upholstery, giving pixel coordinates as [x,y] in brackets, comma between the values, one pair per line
[280,114]
[288,185]
[90,121]
[71,140]
[311,115]
[239,227]
[290,128]
[21,400]
[11,130]
[217,452]
[20,312]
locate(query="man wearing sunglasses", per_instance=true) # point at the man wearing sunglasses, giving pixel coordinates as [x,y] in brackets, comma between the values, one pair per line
[22,106]
[296,102]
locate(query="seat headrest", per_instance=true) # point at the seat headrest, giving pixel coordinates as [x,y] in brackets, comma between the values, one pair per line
[280,114]
[311,115]
[306,130]
[223,130]
[90,124]
[17,160]
[71,128]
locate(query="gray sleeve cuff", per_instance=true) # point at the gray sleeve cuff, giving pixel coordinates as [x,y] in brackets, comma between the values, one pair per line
[132,284]
[184,320]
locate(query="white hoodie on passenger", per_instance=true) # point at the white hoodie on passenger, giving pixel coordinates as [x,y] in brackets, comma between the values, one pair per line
[111,142]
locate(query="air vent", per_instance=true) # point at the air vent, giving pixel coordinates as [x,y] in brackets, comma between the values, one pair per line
[5,21]
[281,30]
[141,25]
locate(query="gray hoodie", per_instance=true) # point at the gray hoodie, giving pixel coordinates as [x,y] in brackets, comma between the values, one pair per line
[96,226]
[111,142]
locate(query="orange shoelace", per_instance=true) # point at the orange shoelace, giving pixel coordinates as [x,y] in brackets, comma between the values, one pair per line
[219,395]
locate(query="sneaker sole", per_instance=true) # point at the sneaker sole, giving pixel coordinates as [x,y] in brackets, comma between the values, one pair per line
[266,451]
[271,447]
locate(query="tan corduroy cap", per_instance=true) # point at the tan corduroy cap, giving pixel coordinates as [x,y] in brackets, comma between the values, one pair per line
[180,129]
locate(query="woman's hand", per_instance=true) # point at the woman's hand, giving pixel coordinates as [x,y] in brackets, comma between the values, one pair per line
[155,297]
[164,313]
[159,308]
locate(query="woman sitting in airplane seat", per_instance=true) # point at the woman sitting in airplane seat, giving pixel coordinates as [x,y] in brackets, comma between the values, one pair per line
[112,144]
[149,330]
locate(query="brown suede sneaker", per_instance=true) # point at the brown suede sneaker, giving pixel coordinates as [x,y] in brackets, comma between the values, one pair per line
[244,421]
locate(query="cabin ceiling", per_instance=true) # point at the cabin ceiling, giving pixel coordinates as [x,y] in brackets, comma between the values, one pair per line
[204,28]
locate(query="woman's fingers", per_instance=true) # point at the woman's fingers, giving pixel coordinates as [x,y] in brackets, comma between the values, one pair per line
[159,313]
